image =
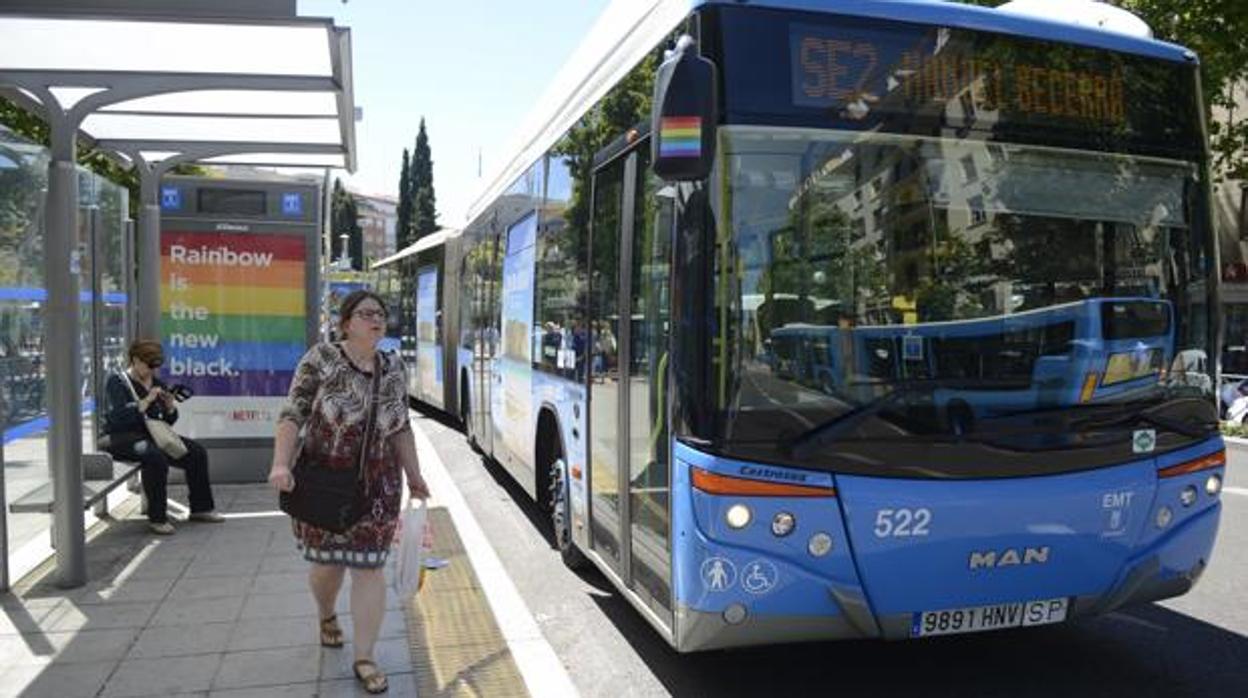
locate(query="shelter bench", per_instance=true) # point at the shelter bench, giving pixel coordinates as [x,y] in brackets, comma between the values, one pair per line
[101,475]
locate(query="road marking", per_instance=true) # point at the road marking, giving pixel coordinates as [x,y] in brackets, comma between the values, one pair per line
[543,673]
[1241,491]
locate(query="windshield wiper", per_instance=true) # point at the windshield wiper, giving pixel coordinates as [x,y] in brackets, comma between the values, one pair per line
[824,432]
[1104,416]
[1128,416]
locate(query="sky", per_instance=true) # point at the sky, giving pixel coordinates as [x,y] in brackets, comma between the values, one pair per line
[472,68]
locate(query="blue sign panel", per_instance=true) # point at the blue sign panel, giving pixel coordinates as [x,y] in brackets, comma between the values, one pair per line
[292,204]
[170,199]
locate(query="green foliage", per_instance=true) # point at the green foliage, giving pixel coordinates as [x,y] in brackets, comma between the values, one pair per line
[403,226]
[21,198]
[33,129]
[622,109]
[424,210]
[1236,430]
[1216,30]
[345,219]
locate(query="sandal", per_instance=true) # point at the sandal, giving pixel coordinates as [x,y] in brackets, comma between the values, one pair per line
[331,634]
[373,681]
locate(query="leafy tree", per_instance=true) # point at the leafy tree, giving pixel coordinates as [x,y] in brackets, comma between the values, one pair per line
[1215,30]
[345,219]
[404,223]
[424,203]
[22,183]
[35,130]
[622,109]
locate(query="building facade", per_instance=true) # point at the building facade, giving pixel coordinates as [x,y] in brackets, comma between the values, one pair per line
[378,218]
[1229,199]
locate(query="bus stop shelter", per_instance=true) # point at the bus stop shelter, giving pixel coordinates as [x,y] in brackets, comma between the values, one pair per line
[157,91]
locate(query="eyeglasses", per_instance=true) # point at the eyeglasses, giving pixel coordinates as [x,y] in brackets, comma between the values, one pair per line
[154,363]
[370,314]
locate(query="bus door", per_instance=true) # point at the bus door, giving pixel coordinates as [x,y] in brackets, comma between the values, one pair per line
[630,253]
[607,525]
[485,326]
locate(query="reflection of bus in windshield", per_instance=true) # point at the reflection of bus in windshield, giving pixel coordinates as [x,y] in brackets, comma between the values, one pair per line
[1074,353]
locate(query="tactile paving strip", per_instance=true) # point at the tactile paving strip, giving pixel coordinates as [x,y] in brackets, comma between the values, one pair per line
[457,649]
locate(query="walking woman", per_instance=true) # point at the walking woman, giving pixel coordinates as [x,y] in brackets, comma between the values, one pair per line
[136,395]
[329,403]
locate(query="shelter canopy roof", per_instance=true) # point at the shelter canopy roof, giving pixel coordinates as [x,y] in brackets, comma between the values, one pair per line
[256,91]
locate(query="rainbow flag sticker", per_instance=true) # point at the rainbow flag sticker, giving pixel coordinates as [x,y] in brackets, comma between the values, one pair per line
[680,137]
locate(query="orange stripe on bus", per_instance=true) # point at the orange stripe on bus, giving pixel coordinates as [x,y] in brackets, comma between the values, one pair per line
[714,483]
[1213,460]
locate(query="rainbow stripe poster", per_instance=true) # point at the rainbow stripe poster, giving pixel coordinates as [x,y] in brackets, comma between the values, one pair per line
[680,137]
[233,325]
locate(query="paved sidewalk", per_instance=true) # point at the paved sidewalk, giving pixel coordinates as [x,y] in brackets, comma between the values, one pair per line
[215,610]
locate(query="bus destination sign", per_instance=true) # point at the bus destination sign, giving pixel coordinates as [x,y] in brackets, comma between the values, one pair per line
[836,70]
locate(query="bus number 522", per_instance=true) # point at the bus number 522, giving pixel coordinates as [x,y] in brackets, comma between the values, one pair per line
[902,523]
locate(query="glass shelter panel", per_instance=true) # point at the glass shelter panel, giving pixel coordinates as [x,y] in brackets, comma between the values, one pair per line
[102,213]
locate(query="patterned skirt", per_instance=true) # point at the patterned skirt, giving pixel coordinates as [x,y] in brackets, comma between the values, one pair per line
[366,545]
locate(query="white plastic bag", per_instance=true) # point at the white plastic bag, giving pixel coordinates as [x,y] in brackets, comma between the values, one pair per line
[409,565]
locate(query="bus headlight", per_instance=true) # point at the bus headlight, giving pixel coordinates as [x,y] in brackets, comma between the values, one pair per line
[783,523]
[820,544]
[1188,495]
[1164,516]
[1213,485]
[738,516]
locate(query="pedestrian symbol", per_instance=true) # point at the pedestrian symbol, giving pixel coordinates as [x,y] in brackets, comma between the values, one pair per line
[759,577]
[718,574]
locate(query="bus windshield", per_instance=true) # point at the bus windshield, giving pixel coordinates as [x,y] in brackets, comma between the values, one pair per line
[892,289]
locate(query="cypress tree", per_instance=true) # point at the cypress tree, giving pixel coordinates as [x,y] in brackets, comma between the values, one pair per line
[404,212]
[424,202]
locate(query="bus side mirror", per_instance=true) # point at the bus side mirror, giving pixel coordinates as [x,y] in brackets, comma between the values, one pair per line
[685,114]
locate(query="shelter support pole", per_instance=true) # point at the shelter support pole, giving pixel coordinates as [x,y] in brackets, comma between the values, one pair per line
[148,244]
[4,513]
[64,364]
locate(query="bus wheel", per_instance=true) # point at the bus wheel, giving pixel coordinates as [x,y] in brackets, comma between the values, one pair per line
[561,515]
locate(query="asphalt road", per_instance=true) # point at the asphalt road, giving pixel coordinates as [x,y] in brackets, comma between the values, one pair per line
[1196,645]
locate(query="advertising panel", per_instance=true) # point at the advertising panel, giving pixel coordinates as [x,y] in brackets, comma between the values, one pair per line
[515,364]
[428,349]
[234,323]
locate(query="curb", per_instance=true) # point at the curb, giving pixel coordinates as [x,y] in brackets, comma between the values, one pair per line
[543,673]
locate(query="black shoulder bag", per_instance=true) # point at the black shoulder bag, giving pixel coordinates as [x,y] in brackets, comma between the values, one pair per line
[329,498]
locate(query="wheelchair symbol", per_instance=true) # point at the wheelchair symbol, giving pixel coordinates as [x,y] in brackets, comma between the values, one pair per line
[759,577]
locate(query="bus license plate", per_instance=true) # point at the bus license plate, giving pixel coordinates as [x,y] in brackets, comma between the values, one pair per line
[977,618]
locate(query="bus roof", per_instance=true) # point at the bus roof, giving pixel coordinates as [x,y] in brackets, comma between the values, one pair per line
[628,29]
[427,242]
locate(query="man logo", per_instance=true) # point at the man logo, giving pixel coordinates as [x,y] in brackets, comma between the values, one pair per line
[1010,557]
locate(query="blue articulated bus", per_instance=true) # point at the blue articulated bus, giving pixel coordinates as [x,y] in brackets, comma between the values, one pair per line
[996,229]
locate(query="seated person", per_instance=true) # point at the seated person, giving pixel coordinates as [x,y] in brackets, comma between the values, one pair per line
[127,438]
